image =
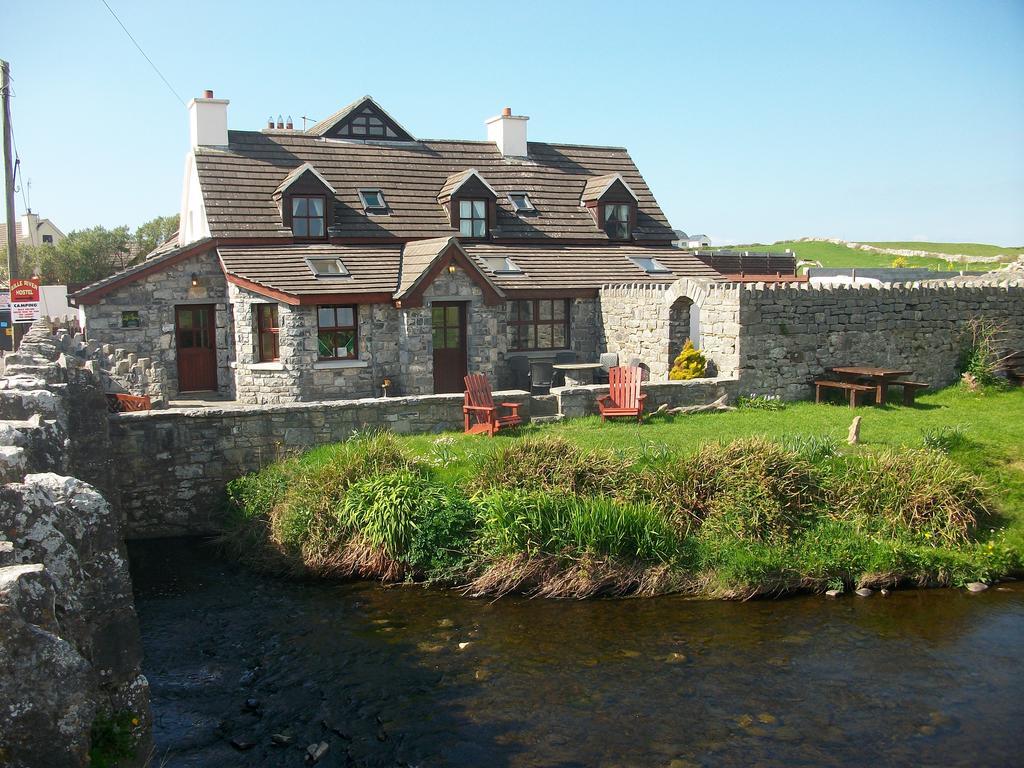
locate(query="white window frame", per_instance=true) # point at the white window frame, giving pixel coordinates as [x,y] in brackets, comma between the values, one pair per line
[528,208]
[329,275]
[367,208]
[656,267]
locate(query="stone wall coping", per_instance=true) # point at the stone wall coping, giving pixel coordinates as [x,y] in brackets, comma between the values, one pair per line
[655,385]
[229,409]
[322,365]
[974,286]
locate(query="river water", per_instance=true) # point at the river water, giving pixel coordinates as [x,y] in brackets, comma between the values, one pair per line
[406,676]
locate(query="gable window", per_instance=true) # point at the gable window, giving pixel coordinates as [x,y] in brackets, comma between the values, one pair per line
[616,221]
[328,268]
[538,324]
[473,218]
[48,239]
[337,332]
[373,201]
[267,332]
[520,202]
[308,216]
[130,319]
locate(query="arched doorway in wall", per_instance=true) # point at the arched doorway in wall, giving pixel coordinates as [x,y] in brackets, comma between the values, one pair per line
[683,324]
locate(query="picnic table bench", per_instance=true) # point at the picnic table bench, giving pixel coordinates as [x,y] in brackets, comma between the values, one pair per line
[855,379]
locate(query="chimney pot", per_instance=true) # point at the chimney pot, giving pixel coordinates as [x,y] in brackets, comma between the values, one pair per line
[289,125]
[506,112]
[207,94]
[270,122]
[280,122]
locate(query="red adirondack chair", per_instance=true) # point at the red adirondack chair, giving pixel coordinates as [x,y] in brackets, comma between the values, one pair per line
[623,398]
[479,410]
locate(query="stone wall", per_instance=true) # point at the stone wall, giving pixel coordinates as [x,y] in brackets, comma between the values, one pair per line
[173,464]
[69,641]
[792,333]
[154,297]
[574,402]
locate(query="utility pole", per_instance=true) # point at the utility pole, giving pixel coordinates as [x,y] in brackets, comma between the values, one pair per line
[12,232]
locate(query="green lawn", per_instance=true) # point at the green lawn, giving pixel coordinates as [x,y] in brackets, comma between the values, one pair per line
[993,423]
[835,255]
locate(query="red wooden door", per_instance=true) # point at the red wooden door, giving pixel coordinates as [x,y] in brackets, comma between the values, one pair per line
[448,321]
[197,350]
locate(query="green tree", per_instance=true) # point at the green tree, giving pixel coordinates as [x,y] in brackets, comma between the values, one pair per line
[153,233]
[85,256]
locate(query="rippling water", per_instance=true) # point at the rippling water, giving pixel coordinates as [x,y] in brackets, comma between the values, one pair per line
[919,678]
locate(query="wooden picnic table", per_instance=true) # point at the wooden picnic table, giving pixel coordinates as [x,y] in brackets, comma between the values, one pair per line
[578,373]
[879,378]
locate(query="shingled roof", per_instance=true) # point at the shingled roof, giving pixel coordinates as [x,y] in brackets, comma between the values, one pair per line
[373,269]
[238,184]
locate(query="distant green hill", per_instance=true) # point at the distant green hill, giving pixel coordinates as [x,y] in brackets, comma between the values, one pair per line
[838,255]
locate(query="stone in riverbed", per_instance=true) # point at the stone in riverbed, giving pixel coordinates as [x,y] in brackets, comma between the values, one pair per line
[280,739]
[885,592]
[977,586]
[315,752]
[833,592]
[864,592]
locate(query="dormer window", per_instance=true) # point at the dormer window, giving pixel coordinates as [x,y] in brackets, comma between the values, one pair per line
[373,201]
[473,218]
[308,220]
[520,202]
[616,220]
[328,268]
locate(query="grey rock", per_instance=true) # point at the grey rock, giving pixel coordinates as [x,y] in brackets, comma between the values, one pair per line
[315,752]
[977,586]
[864,592]
[833,592]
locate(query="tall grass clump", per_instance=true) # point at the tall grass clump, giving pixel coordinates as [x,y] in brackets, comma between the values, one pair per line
[537,523]
[915,493]
[550,464]
[288,511]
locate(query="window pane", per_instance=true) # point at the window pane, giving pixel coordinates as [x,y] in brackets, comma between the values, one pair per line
[453,338]
[372,199]
[438,338]
[325,317]
[544,306]
[479,228]
[452,315]
[185,339]
[325,344]
[437,315]
[185,320]
[316,206]
[299,206]
[465,209]
[300,227]
[345,316]
[559,309]
[267,347]
[359,128]
[466,227]
[479,209]
[559,339]
[316,227]
[544,336]
[346,345]
[526,310]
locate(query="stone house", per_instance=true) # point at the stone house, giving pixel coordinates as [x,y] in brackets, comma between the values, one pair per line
[330,262]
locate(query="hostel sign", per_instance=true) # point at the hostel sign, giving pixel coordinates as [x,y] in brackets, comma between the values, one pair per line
[25,300]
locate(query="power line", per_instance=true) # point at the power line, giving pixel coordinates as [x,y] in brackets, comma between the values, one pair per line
[171,87]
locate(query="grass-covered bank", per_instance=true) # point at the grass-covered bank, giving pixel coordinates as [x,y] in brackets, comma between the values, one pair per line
[737,504]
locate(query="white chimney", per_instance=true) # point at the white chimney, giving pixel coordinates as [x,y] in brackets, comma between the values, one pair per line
[508,131]
[208,121]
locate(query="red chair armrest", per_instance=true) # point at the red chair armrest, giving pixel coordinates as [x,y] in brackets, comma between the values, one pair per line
[643,397]
[602,398]
[513,406]
[484,408]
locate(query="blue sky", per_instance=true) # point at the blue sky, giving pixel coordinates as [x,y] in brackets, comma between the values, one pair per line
[751,121]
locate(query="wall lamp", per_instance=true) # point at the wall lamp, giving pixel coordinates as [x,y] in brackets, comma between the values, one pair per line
[195,280]
[451,268]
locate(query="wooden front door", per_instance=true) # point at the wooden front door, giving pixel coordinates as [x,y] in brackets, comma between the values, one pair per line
[448,319]
[197,349]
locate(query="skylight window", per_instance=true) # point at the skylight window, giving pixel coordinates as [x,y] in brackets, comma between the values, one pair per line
[502,265]
[520,202]
[373,201]
[328,268]
[650,265]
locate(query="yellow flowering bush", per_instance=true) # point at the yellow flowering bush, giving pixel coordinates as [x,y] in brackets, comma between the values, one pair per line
[690,364]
